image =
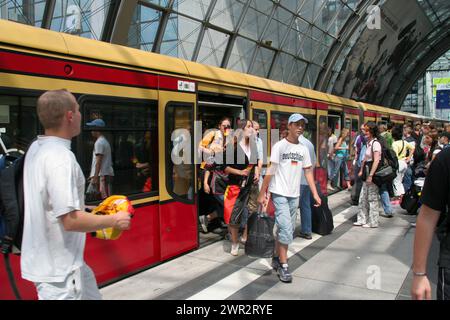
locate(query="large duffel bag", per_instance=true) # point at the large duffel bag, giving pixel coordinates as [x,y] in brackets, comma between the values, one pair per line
[260,240]
[321,217]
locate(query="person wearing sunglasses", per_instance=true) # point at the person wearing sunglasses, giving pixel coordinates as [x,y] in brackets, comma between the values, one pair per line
[212,146]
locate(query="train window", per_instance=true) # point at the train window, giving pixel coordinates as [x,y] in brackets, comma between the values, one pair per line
[179,151]
[260,116]
[279,120]
[355,128]
[348,123]
[19,123]
[126,132]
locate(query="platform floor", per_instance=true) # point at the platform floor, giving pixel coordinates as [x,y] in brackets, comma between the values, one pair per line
[351,263]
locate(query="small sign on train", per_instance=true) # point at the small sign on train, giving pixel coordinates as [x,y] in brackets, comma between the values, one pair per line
[186,86]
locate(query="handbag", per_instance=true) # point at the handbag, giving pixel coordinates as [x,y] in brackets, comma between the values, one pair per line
[384,174]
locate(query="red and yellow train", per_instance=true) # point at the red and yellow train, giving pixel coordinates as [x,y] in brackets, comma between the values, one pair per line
[143,97]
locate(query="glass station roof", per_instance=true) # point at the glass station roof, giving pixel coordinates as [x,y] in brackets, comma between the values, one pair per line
[327,45]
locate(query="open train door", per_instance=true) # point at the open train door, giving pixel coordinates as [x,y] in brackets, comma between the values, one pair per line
[215,102]
[321,170]
[352,122]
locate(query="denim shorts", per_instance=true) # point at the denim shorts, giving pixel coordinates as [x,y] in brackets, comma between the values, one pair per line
[285,216]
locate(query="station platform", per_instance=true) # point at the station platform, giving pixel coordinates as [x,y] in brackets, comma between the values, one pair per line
[351,263]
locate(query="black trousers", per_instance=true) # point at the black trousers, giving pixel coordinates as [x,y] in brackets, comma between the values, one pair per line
[443,286]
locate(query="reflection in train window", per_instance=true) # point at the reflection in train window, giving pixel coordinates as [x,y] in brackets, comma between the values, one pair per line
[19,123]
[179,162]
[260,116]
[130,131]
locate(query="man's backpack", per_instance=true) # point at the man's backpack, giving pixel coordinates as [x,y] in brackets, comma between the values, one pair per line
[11,211]
[391,158]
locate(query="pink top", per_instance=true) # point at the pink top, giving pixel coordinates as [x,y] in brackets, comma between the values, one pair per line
[376,148]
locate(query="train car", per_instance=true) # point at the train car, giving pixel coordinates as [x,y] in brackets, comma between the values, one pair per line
[143,98]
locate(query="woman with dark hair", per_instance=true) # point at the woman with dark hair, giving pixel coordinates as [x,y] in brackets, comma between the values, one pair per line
[240,160]
[404,152]
[369,200]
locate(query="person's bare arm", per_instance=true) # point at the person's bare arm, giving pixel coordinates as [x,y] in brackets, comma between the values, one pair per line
[81,221]
[229,170]
[258,170]
[98,166]
[309,176]
[376,161]
[205,182]
[263,193]
[425,227]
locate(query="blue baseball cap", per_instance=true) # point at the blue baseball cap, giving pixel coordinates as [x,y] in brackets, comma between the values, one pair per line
[297,117]
[96,123]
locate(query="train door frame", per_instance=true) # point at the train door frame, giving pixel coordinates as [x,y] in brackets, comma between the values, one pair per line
[321,167]
[177,215]
[212,96]
[352,115]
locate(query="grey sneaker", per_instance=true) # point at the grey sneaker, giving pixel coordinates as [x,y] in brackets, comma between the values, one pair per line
[284,274]
[275,263]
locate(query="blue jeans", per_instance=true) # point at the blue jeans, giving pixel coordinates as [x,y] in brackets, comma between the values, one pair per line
[408,179]
[338,163]
[305,208]
[330,168]
[285,214]
[385,200]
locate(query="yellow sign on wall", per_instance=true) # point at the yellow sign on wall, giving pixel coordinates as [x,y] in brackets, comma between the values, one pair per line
[440,84]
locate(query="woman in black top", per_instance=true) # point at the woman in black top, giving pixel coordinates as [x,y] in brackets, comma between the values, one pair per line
[239,162]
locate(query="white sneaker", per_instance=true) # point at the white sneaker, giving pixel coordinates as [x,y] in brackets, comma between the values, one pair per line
[234,249]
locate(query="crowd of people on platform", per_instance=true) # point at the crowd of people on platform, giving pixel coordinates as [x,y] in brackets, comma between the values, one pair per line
[233,186]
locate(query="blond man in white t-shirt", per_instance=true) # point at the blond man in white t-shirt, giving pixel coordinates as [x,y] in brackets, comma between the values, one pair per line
[287,160]
[55,222]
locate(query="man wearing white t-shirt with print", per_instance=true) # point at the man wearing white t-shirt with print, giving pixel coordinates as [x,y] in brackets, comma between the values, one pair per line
[287,160]
[55,222]
[102,171]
